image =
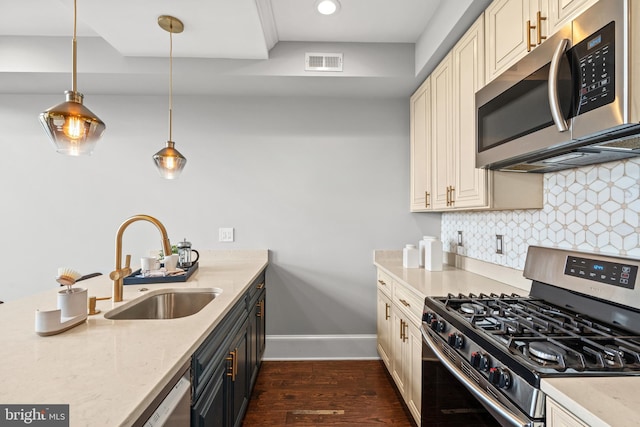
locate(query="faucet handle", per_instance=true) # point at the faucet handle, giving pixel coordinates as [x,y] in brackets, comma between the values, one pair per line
[127,261]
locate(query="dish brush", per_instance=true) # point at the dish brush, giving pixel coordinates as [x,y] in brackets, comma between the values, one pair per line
[67,277]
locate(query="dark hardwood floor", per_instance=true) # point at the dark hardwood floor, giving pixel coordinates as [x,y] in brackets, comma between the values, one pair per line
[325,393]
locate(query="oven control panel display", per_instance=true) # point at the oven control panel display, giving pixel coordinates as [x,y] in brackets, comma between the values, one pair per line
[611,273]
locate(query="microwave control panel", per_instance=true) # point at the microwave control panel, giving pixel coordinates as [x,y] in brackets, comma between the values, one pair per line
[594,61]
[611,273]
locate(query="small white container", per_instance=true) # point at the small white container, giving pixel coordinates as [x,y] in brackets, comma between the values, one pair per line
[421,245]
[432,253]
[410,256]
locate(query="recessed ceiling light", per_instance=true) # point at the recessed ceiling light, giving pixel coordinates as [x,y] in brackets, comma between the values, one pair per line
[328,7]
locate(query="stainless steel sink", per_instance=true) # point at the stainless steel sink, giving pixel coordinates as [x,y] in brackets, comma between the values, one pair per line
[165,304]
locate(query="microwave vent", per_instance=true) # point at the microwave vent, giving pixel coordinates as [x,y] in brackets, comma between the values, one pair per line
[323,61]
[622,144]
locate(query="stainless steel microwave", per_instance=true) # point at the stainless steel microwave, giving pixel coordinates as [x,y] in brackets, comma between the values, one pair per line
[570,102]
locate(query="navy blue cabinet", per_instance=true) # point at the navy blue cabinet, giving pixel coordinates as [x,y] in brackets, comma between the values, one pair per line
[225,366]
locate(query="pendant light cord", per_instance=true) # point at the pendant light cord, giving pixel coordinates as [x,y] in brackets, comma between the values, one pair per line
[74,50]
[170,80]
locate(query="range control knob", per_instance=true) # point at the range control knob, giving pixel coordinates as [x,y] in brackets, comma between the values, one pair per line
[428,317]
[500,377]
[456,340]
[480,361]
[438,325]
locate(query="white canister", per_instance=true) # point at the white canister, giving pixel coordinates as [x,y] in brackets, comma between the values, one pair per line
[410,257]
[432,253]
[421,245]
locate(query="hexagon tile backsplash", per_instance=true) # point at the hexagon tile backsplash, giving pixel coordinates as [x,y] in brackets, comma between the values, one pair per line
[593,209]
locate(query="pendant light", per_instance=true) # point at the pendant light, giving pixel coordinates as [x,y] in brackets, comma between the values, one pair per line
[169,160]
[72,128]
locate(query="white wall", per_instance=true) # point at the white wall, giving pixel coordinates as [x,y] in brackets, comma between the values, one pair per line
[321,182]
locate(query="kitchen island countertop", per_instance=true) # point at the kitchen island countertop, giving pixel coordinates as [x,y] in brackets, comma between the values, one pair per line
[109,371]
[597,401]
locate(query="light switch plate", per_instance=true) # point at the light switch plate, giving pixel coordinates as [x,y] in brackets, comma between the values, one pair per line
[225,234]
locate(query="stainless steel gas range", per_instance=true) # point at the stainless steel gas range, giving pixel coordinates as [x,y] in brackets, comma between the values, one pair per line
[581,318]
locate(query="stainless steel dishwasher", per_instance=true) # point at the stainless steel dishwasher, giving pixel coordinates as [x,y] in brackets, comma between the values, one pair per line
[172,407]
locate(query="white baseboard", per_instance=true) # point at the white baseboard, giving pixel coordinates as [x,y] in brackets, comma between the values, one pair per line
[320,347]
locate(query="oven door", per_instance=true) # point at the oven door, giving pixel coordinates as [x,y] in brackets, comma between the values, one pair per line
[449,398]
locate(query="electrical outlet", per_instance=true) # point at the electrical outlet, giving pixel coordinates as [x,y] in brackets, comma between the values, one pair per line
[460,238]
[225,234]
[499,246]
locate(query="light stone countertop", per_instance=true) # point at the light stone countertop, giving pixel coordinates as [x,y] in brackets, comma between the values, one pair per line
[440,283]
[109,371]
[597,401]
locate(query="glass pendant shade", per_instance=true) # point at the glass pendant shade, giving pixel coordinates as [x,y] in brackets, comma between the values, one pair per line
[169,161]
[72,128]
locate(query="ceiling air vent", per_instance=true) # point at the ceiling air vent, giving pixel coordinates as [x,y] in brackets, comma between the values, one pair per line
[323,61]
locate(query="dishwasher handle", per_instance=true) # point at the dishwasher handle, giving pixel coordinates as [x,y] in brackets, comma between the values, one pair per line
[175,408]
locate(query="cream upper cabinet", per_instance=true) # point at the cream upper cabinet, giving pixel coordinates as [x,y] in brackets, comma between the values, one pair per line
[420,110]
[514,27]
[558,416]
[441,134]
[443,140]
[561,11]
[469,183]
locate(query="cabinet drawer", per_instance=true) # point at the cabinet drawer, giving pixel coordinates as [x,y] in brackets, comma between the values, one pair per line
[255,288]
[213,350]
[384,283]
[408,302]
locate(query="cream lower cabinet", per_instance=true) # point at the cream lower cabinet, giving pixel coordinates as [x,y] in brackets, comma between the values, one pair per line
[558,416]
[384,328]
[400,339]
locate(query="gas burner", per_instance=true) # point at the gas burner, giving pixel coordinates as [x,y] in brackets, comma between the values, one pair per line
[546,351]
[471,308]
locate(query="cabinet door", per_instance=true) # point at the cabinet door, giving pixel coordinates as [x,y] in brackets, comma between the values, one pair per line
[384,328]
[420,109]
[561,11]
[414,371]
[557,416]
[210,410]
[468,77]
[506,34]
[257,317]
[397,350]
[239,374]
[441,126]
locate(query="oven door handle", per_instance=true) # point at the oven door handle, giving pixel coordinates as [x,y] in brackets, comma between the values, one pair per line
[554,98]
[488,401]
